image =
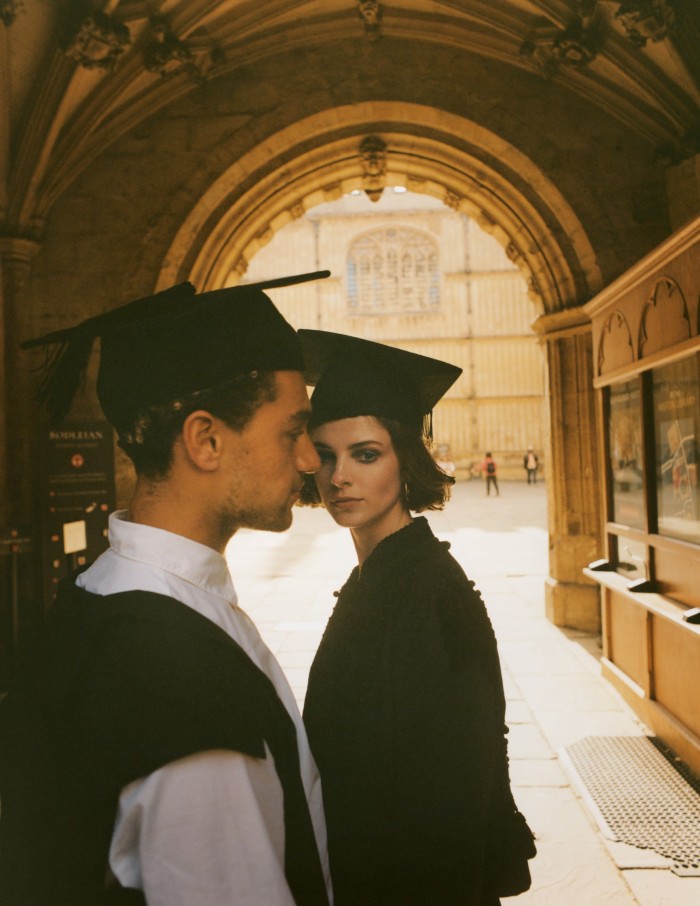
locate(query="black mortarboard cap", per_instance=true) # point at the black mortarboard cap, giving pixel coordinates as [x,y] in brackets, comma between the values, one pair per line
[354,377]
[171,344]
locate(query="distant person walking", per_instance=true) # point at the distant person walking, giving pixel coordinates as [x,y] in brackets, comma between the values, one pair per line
[530,463]
[489,468]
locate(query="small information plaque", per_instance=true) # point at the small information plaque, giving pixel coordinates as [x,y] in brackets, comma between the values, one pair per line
[74,537]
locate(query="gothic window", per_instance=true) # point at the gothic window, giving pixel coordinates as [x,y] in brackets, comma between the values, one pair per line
[393,271]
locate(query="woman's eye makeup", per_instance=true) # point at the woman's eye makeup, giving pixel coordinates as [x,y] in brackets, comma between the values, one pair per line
[361,454]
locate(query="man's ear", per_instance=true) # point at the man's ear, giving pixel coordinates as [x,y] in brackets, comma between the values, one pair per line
[202,440]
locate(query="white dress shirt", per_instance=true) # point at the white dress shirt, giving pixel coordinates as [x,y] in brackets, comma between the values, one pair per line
[207,829]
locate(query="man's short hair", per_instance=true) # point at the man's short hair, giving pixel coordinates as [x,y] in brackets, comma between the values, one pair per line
[150,442]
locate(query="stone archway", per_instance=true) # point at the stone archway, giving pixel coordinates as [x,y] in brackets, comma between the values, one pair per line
[428,151]
[474,171]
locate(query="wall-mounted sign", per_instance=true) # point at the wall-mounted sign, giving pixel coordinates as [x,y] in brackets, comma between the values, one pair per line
[78,495]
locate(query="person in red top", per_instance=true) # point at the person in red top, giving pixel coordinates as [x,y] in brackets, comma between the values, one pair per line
[489,468]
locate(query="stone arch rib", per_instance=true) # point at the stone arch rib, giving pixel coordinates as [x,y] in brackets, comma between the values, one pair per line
[428,151]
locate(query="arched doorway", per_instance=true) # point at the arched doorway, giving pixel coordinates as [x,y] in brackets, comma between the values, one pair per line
[426,150]
[475,172]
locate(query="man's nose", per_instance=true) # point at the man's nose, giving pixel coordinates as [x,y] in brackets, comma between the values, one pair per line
[308,458]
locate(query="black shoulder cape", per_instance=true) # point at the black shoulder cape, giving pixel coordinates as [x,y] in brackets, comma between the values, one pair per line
[119,686]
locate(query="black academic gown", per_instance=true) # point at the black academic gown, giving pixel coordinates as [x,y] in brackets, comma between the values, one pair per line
[405,713]
[119,686]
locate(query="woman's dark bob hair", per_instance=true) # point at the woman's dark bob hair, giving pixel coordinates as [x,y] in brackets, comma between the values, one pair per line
[426,486]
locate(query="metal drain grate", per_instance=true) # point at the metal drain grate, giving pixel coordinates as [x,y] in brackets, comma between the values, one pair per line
[642,797]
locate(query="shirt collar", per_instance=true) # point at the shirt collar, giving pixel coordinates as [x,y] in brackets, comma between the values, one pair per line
[182,557]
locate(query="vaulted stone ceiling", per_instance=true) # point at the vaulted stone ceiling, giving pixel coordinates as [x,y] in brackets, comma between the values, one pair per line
[78,75]
[143,142]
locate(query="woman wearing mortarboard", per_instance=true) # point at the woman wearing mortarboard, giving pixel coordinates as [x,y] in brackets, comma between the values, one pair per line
[405,704]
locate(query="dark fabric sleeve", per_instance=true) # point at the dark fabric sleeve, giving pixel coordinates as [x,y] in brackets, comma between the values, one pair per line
[444,715]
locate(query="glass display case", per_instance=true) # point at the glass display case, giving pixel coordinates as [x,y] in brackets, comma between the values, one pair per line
[625,443]
[676,413]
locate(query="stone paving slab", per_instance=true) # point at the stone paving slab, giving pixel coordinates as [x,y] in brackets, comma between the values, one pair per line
[554,689]
[572,866]
[662,888]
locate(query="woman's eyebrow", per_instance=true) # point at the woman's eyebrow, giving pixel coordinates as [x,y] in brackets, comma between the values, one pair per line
[365,443]
[356,445]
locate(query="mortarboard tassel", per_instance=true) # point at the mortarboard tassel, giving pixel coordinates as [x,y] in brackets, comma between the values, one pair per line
[61,374]
[428,427]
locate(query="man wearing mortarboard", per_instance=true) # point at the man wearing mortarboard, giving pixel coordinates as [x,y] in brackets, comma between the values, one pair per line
[151,750]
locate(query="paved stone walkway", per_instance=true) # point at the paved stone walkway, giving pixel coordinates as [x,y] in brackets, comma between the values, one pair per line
[555,693]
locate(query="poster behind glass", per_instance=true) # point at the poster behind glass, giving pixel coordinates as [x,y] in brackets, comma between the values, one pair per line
[676,424]
[626,454]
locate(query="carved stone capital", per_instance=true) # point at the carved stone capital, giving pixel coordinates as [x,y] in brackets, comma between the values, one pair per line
[646,20]
[373,162]
[99,42]
[371,13]
[567,322]
[16,253]
[15,250]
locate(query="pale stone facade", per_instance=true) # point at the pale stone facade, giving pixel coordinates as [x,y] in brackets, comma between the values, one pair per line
[474,311]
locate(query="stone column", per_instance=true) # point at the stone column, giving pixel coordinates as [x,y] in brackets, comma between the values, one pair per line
[574,482]
[16,504]
[19,572]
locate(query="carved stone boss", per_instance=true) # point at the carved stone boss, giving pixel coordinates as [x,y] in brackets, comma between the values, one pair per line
[373,162]
[370,12]
[99,42]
